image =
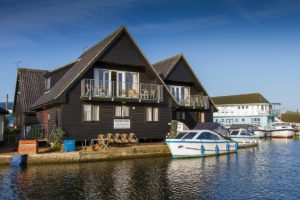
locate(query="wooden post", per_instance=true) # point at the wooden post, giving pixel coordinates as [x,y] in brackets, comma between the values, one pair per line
[7,102]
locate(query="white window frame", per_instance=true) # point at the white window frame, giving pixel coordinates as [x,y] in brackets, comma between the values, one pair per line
[152,114]
[91,113]
[123,112]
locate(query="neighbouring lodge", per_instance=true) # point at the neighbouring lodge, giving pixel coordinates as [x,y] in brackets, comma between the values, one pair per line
[252,109]
[2,118]
[111,88]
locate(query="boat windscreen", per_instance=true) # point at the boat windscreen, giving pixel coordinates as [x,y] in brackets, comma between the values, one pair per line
[234,132]
[208,136]
[190,135]
[180,135]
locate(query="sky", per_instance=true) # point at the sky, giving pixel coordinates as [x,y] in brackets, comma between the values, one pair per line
[234,47]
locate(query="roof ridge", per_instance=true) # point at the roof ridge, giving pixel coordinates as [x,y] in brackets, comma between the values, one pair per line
[30,69]
[169,58]
[85,60]
[238,95]
[97,43]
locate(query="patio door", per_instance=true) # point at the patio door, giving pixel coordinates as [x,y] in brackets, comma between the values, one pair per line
[121,84]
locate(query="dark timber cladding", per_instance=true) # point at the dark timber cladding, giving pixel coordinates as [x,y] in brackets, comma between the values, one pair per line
[29,87]
[176,71]
[122,56]
[112,88]
[63,104]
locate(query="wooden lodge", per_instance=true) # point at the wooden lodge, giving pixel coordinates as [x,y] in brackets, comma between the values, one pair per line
[111,88]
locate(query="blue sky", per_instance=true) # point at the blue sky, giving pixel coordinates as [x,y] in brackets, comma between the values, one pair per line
[234,46]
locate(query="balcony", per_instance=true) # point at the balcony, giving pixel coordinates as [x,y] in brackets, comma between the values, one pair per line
[193,101]
[97,89]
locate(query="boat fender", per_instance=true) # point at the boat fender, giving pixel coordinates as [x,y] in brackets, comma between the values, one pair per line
[217,149]
[244,142]
[202,149]
[236,147]
[227,148]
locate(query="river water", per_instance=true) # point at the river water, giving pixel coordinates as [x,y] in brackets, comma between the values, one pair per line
[270,171]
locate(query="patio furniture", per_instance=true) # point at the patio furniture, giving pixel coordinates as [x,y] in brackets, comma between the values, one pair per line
[132,138]
[102,142]
[124,93]
[101,138]
[88,89]
[101,91]
[152,94]
[109,137]
[124,139]
[117,138]
[145,94]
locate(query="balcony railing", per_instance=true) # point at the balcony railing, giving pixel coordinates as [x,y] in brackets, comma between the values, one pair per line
[195,101]
[115,89]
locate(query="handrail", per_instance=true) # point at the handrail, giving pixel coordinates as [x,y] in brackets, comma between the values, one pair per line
[120,89]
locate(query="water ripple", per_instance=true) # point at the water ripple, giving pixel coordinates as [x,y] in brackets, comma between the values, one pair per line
[270,171]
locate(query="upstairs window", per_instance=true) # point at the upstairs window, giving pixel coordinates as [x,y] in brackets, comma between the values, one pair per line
[91,113]
[151,114]
[122,111]
[48,83]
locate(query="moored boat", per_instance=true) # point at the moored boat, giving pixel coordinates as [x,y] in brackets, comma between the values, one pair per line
[200,143]
[244,137]
[282,130]
[259,132]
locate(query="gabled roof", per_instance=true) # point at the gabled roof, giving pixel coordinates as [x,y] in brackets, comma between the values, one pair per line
[31,84]
[86,60]
[240,99]
[164,67]
[3,112]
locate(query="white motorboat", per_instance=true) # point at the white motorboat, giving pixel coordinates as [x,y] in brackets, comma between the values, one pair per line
[244,137]
[259,132]
[282,130]
[200,143]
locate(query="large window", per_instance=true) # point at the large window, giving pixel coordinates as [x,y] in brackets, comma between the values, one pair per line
[122,111]
[125,84]
[91,113]
[151,114]
[181,94]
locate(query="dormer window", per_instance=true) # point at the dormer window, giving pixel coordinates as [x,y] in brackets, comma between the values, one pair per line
[47,83]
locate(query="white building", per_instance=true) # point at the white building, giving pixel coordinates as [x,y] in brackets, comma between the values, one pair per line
[251,109]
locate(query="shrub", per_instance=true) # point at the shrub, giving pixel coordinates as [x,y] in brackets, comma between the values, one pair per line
[58,139]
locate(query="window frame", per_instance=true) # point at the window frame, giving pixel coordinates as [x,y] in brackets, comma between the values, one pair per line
[122,112]
[84,118]
[152,114]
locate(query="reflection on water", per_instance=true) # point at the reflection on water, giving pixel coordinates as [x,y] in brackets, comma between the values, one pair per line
[269,171]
